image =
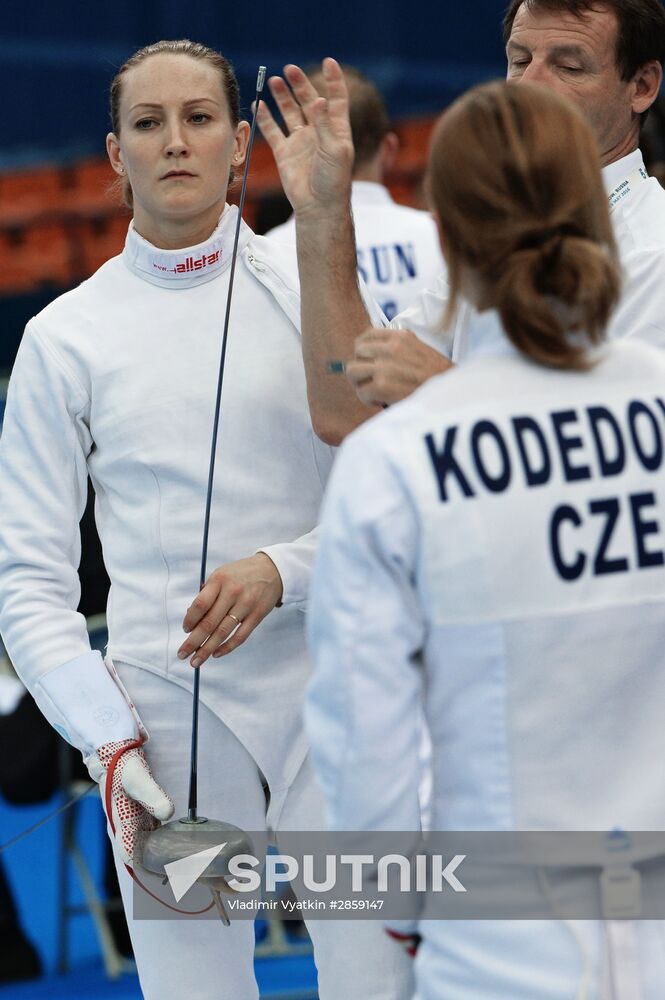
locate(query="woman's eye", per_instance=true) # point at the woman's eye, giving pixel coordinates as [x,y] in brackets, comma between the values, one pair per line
[145,123]
[200,117]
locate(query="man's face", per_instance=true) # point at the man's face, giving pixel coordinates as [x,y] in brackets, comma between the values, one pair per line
[576,57]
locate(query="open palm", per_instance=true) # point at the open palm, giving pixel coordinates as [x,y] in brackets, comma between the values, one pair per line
[315,159]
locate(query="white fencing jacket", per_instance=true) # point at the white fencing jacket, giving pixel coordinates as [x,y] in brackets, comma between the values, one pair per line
[118,378]
[637,209]
[495,546]
[398,249]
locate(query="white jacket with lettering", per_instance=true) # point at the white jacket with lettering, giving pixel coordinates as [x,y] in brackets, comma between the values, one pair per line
[118,378]
[398,248]
[495,546]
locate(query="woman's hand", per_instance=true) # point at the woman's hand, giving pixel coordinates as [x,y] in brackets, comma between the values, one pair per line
[235,598]
[315,159]
[389,365]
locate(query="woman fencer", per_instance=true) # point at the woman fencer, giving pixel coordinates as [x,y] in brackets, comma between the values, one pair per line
[493,546]
[117,379]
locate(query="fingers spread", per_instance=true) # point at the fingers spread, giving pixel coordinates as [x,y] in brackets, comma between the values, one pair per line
[338,95]
[318,113]
[270,130]
[306,94]
[289,108]
[326,114]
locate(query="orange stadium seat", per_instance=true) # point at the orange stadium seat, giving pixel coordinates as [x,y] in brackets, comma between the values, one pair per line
[94,188]
[31,191]
[38,256]
[102,239]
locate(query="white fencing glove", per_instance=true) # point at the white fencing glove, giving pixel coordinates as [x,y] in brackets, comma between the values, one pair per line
[134,802]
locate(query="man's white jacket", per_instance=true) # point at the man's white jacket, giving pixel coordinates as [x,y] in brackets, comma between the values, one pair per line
[637,209]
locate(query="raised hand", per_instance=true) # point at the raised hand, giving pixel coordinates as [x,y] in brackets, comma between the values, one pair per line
[315,159]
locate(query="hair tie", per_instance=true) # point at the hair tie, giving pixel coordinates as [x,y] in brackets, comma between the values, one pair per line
[548,240]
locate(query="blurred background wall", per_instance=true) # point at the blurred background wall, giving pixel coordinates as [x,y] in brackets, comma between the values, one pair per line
[58,219]
[56,60]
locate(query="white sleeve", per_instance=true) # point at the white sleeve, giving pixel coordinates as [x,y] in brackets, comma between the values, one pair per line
[640,312]
[366,631]
[43,482]
[425,317]
[294,562]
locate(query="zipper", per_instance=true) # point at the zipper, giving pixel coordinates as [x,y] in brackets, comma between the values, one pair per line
[286,296]
[251,259]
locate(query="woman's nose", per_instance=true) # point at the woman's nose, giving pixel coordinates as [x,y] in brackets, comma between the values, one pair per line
[175,144]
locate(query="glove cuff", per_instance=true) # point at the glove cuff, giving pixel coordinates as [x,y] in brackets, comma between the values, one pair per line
[86,703]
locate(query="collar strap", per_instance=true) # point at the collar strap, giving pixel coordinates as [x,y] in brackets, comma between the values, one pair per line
[626,187]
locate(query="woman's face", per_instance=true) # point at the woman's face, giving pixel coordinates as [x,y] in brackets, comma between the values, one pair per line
[176,145]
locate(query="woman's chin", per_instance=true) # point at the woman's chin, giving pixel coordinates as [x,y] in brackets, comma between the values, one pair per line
[182,207]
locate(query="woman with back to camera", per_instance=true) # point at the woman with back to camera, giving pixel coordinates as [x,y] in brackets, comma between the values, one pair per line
[493,545]
[117,378]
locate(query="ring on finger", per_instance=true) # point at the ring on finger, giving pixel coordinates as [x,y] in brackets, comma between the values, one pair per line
[236,620]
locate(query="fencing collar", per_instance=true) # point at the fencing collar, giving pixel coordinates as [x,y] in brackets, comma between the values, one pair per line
[191,265]
[623,178]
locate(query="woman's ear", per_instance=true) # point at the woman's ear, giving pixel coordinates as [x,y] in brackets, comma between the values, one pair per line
[114,153]
[241,143]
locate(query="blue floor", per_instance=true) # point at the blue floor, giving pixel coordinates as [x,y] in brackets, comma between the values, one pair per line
[31,868]
[281,978]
